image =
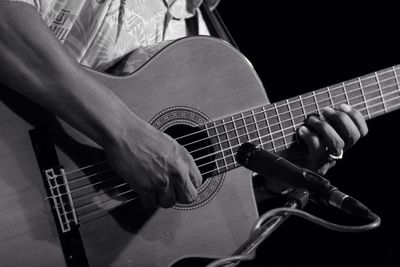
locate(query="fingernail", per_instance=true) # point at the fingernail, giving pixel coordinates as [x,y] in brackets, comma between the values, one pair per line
[327,109]
[302,130]
[345,108]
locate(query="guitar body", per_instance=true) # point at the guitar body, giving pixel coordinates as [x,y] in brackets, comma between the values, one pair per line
[190,81]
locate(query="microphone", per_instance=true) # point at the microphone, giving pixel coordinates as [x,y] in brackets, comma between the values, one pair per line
[275,167]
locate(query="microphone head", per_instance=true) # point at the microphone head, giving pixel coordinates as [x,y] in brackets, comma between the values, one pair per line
[244,153]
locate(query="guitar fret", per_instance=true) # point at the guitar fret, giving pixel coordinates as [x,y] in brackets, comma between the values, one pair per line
[230,157]
[276,127]
[316,102]
[257,128]
[296,110]
[266,139]
[364,98]
[345,94]
[285,121]
[290,114]
[271,131]
[221,164]
[337,94]
[396,78]
[302,105]
[247,136]
[330,97]
[381,93]
[210,131]
[236,130]
[292,135]
[390,88]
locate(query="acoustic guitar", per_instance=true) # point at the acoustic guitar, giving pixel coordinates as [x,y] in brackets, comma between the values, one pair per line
[61,203]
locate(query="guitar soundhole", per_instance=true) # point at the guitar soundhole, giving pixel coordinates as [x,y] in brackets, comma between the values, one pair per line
[199,146]
[182,123]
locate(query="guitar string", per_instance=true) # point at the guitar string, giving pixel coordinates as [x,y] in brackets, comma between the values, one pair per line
[278,115]
[266,127]
[278,148]
[80,178]
[281,131]
[110,198]
[103,191]
[275,107]
[211,171]
[227,168]
[393,69]
[93,184]
[236,138]
[326,89]
[299,124]
[84,216]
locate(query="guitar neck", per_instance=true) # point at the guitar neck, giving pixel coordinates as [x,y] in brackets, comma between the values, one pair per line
[273,126]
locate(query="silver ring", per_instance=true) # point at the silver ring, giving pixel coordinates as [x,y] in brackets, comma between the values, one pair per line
[335,157]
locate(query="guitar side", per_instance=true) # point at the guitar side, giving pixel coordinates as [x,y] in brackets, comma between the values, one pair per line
[201,73]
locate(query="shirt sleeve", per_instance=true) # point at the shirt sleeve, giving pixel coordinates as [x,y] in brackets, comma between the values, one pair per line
[34,3]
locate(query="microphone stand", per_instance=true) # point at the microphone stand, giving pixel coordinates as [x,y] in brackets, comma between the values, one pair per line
[272,219]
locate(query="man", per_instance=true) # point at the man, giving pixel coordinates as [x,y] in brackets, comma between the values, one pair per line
[38,38]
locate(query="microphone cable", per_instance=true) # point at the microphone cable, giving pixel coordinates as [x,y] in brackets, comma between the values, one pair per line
[284,212]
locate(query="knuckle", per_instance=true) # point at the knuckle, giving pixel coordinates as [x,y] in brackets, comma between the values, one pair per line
[315,142]
[354,136]
[162,183]
[324,127]
[339,145]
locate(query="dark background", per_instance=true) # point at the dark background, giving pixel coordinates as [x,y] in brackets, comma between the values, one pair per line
[299,46]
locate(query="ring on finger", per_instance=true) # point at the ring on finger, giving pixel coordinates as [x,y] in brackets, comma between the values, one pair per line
[332,157]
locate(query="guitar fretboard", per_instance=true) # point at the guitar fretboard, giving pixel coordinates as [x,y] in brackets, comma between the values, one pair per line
[273,126]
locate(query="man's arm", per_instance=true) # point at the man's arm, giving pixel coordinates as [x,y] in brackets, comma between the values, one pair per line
[35,64]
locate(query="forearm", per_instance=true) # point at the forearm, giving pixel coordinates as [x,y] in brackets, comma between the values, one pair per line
[37,66]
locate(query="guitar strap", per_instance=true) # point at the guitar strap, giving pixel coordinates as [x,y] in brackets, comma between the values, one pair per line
[192,24]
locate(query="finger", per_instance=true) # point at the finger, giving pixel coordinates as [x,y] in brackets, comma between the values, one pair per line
[316,159]
[194,172]
[330,138]
[314,146]
[325,168]
[195,175]
[344,125]
[167,197]
[357,118]
[185,191]
[185,194]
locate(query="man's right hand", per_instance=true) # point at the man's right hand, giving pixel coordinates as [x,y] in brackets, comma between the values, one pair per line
[159,170]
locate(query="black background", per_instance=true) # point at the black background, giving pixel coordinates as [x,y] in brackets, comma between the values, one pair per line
[299,46]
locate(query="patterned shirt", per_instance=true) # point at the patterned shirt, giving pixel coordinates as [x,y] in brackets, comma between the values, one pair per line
[99,33]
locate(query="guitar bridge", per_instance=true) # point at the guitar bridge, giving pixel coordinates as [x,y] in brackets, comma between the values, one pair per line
[60,196]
